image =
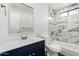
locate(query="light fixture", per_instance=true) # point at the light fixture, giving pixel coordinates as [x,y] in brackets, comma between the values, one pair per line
[49,17]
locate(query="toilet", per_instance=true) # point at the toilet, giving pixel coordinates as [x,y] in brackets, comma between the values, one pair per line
[53,49]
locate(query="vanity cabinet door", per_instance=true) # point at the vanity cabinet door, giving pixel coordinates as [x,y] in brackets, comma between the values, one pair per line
[39,49]
[23,51]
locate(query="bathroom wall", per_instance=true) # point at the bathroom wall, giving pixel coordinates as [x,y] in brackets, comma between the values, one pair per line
[40,18]
[72,22]
[3,23]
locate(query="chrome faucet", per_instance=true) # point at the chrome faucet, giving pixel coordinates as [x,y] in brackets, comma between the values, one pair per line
[23,37]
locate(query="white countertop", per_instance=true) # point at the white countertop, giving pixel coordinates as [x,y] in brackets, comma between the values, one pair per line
[13,44]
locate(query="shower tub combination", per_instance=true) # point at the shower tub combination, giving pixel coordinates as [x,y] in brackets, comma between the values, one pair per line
[68,49]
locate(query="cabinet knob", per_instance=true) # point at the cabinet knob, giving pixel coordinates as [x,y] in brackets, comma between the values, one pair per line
[33,53]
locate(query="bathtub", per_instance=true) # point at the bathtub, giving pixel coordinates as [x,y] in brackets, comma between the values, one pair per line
[68,49]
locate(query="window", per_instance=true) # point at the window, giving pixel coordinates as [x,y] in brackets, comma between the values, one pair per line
[73,11]
[64,14]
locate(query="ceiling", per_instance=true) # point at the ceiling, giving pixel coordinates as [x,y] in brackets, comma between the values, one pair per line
[56,6]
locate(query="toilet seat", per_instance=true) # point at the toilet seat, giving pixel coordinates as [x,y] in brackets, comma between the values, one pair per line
[54,47]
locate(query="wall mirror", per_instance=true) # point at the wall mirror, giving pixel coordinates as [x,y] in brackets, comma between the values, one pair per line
[20,18]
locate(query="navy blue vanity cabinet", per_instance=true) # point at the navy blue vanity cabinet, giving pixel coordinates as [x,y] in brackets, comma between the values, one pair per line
[35,49]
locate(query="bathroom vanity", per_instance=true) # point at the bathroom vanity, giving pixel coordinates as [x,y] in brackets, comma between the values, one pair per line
[17,24]
[33,48]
